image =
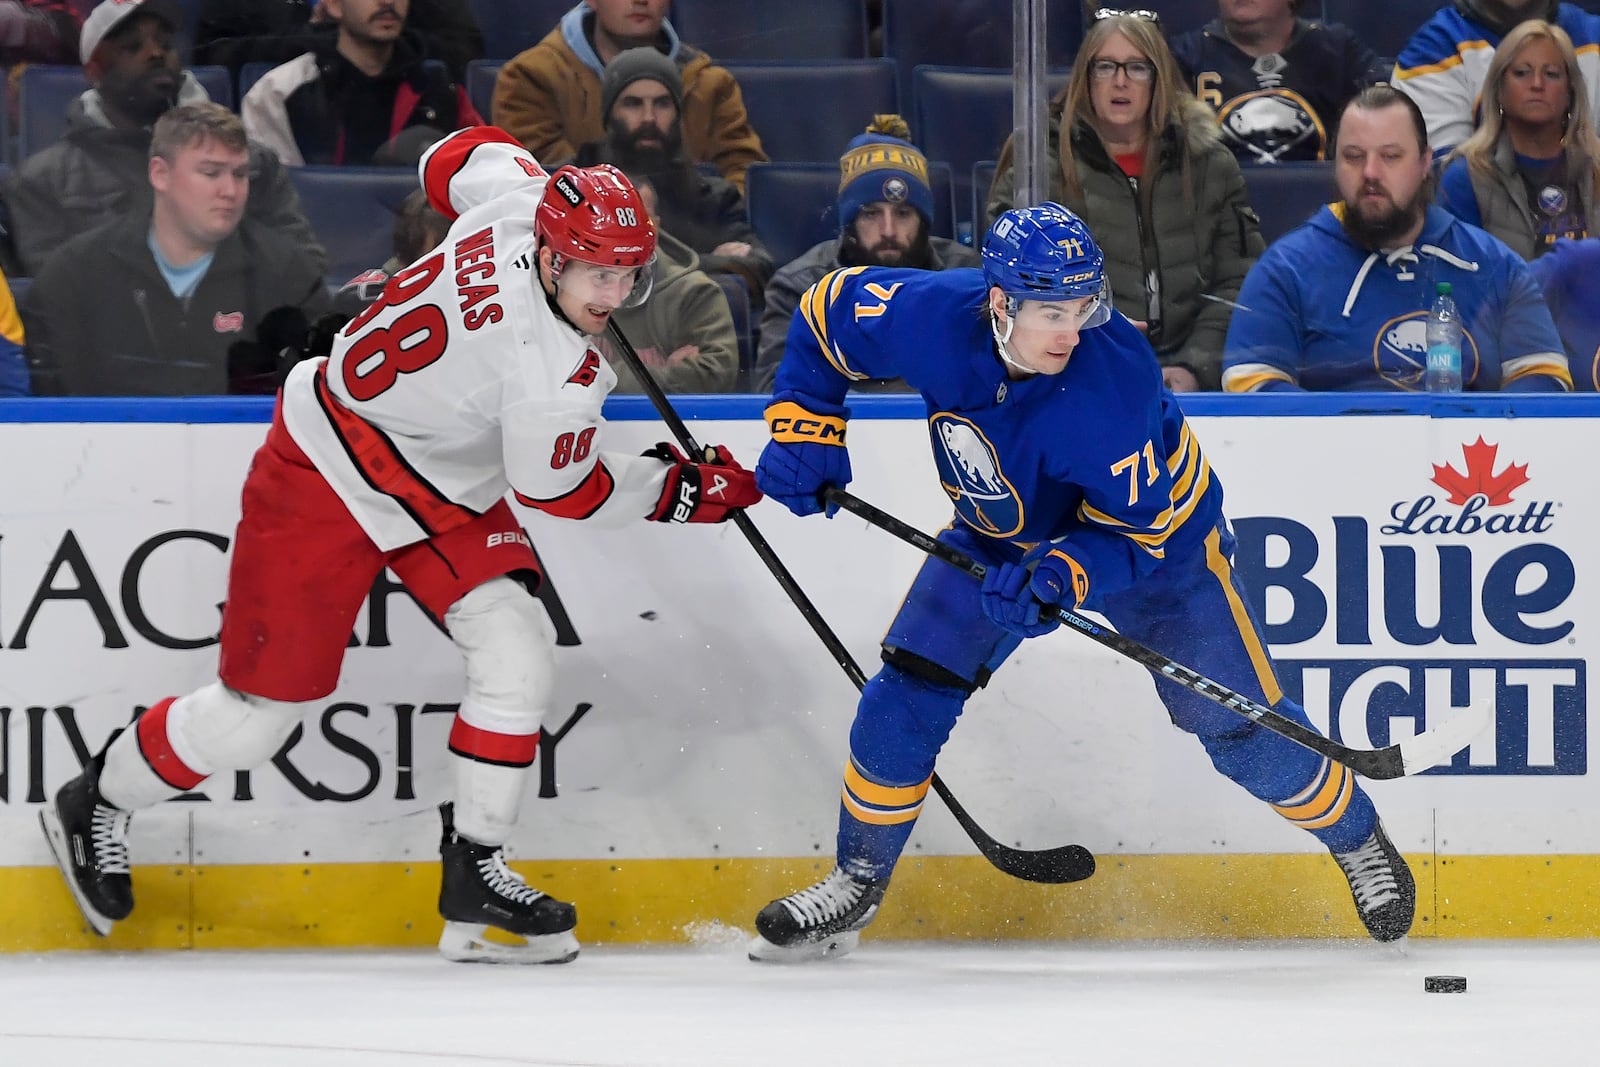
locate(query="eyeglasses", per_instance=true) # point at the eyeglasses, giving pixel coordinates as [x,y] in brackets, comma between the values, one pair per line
[1139,70]
[1144,14]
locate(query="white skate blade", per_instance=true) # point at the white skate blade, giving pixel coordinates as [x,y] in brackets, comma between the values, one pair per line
[764,951]
[56,834]
[466,943]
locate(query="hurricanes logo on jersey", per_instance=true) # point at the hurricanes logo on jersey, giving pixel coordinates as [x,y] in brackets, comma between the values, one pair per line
[1400,351]
[587,371]
[970,472]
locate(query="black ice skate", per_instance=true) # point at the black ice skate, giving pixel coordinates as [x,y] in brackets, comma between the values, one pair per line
[478,891]
[818,922]
[1381,882]
[90,840]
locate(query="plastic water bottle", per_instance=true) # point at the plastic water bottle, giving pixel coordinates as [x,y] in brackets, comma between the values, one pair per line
[1444,343]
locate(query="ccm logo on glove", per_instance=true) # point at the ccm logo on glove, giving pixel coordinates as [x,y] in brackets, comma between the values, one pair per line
[702,492]
[792,424]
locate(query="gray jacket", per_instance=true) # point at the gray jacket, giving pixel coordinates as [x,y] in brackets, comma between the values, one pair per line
[798,275]
[98,172]
[1179,269]
[1503,207]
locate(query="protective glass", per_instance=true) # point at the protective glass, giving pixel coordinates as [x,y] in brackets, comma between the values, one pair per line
[608,287]
[1049,316]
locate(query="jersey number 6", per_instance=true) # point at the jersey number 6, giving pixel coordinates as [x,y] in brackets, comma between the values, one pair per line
[412,341]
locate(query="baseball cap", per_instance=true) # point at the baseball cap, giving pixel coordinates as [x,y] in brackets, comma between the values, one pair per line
[110,14]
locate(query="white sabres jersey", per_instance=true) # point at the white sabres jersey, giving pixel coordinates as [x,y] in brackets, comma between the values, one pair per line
[460,382]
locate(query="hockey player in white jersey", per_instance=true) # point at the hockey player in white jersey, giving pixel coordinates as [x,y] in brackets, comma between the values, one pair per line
[473,375]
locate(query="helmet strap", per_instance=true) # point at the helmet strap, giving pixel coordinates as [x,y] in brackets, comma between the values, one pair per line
[1002,337]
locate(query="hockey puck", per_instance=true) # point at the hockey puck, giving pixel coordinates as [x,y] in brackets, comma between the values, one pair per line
[1444,983]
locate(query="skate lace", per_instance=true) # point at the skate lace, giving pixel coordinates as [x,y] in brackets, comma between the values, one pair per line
[108,835]
[1371,875]
[828,899]
[505,882]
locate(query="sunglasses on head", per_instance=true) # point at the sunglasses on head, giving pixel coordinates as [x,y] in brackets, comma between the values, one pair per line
[1143,14]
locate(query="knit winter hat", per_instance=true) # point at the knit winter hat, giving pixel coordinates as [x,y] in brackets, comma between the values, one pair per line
[883,164]
[633,64]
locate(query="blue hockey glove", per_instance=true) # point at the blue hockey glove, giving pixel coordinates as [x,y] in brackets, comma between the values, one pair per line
[1015,595]
[806,453]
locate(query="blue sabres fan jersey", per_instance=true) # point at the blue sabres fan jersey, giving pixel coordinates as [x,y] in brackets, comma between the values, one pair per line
[1319,312]
[1566,274]
[1281,106]
[1099,454]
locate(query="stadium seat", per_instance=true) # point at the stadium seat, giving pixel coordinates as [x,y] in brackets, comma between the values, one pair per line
[1383,27]
[513,26]
[45,92]
[481,74]
[352,212]
[794,205]
[738,294]
[743,31]
[963,115]
[249,74]
[971,33]
[808,112]
[1287,194]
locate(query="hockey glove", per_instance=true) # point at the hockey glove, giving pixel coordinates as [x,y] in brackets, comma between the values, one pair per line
[702,492]
[807,452]
[1017,596]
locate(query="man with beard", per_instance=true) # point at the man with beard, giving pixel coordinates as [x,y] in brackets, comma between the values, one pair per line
[1442,67]
[642,99]
[362,96]
[885,211]
[549,96]
[98,171]
[1342,302]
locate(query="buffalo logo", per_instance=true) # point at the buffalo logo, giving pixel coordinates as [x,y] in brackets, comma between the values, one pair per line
[227,321]
[1552,200]
[970,472]
[1271,126]
[895,190]
[1400,351]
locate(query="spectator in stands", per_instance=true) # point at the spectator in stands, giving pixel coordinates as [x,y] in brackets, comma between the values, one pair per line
[684,332]
[14,378]
[885,209]
[361,97]
[1275,80]
[418,229]
[1142,161]
[1528,173]
[642,100]
[179,299]
[41,31]
[1342,302]
[99,170]
[1566,275]
[549,96]
[232,33]
[1443,66]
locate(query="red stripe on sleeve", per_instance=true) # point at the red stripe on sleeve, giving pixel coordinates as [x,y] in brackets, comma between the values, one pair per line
[583,501]
[485,746]
[446,159]
[158,752]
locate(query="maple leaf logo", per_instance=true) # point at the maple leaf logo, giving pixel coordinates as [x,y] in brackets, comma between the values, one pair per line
[1480,477]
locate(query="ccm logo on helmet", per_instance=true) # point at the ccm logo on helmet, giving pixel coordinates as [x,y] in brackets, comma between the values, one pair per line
[1087,275]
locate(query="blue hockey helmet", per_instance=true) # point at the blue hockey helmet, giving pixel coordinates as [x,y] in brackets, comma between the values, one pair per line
[1046,253]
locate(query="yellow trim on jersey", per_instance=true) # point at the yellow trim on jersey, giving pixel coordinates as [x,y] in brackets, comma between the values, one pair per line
[888,796]
[1247,378]
[792,424]
[1548,364]
[878,816]
[1444,64]
[1218,565]
[814,305]
[10,320]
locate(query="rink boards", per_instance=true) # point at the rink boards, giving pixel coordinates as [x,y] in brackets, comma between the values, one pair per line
[1410,561]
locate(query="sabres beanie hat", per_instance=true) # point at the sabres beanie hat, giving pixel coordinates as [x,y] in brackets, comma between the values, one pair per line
[883,164]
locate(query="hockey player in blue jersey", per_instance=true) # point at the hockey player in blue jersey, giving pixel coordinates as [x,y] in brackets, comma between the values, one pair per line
[1077,482]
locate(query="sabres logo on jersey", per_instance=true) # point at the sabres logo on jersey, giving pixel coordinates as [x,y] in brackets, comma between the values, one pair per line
[1400,351]
[1271,126]
[969,470]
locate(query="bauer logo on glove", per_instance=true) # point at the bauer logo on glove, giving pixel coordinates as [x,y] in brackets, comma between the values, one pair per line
[710,491]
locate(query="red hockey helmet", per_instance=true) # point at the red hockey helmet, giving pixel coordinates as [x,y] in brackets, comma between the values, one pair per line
[595,214]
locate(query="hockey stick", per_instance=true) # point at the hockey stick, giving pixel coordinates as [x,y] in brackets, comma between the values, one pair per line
[1054,866]
[1414,754]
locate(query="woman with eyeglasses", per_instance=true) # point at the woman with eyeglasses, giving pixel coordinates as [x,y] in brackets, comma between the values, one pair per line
[1140,159]
[1528,173]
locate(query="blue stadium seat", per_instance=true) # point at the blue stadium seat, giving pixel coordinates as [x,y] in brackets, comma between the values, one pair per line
[808,112]
[513,26]
[352,212]
[1287,194]
[481,74]
[738,294]
[1383,27]
[249,74]
[45,92]
[743,31]
[795,205]
[963,114]
[971,33]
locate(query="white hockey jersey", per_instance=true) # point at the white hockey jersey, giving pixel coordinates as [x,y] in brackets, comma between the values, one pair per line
[460,382]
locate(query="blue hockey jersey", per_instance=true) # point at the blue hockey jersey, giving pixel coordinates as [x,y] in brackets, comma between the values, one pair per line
[1567,276]
[1321,313]
[1099,454]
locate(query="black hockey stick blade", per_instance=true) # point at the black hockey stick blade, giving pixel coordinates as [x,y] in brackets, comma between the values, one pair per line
[1069,863]
[1427,749]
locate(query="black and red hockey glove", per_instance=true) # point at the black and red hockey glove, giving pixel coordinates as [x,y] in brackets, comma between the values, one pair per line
[702,492]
